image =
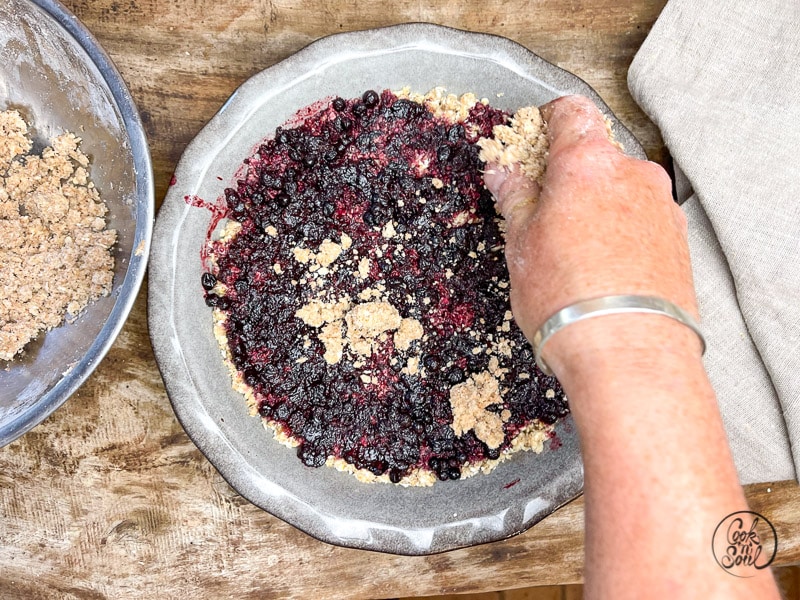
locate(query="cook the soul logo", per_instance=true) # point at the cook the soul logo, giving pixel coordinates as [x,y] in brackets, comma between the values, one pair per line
[744,543]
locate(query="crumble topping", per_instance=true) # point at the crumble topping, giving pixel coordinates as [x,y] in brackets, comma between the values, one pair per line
[469,401]
[363,268]
[409,331]
[316,313]
[54,245]
[444,105]
[523,141]
[365,322]
[333,339]
[13,138]
[327,253]
[358,327]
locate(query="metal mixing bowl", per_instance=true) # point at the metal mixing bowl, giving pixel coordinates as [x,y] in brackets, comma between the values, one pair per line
[54,72]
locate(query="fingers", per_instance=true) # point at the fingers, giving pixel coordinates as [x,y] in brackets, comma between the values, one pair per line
[574,120]
[513,192]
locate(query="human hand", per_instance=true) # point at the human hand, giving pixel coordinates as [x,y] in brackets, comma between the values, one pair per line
[602,223]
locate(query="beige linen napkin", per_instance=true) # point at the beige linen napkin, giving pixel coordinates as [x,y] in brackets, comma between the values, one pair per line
[721,79]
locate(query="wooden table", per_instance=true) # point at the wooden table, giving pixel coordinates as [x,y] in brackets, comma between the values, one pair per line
[109,498]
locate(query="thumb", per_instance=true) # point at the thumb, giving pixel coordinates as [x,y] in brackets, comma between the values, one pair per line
[574,120]
[514,193]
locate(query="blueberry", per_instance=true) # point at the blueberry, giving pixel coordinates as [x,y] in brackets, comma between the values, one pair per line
[342,124]
[208,281]
[311,457]
[492,453]
[370,98]
[282,412]
[339,104]
[232,198]
[456,133]
[432,362]
[364,141]
[455,376]
[220,302]
[404,109]
[369,218]
[266,179]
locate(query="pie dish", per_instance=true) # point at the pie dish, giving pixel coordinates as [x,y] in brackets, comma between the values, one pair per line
[327,504]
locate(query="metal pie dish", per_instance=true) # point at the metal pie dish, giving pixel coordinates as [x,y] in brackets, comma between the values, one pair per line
[59,78]
[329,505]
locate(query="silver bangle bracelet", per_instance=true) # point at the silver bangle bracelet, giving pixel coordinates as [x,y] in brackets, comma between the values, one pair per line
[608,305]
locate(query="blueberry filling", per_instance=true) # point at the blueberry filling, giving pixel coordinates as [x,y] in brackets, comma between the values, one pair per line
[400,193]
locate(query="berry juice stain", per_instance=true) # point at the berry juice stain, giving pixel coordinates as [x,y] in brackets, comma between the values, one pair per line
[218,212]
[360,168]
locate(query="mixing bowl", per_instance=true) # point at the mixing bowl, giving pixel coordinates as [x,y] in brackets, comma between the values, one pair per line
[57,76]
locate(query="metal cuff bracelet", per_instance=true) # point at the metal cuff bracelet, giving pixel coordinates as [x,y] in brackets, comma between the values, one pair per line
[608,305]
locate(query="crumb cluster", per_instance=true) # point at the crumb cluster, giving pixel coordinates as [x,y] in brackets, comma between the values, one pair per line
[55,249]
[522,141]
[354,322]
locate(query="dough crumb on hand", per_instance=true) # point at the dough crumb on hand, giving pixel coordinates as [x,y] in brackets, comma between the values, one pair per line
[522,142]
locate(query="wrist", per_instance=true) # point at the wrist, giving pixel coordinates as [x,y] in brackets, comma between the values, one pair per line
[627,347]
[634,381]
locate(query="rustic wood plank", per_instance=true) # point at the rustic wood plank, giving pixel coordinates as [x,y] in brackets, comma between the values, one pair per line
[109,498]
[183,59]
[789,582]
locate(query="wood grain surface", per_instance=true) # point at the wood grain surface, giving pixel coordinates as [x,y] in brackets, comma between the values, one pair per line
[109,499]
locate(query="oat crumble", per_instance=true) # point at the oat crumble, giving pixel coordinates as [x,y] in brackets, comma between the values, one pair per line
[54,245]
[523,141]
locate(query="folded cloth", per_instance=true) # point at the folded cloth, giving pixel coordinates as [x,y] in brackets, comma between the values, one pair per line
[721,79]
